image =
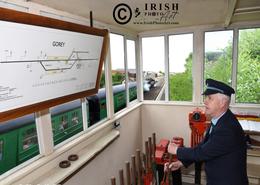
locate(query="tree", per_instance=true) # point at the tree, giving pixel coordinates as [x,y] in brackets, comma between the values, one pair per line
[117,78]
[102,80]
[181,83]
[219,66]
[248,72]
[248,75]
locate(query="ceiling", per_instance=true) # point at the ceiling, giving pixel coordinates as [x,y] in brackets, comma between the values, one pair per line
[163,14]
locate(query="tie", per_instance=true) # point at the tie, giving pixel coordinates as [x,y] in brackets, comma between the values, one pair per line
[211,127]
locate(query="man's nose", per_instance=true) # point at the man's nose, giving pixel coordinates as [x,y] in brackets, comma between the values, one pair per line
[205,100]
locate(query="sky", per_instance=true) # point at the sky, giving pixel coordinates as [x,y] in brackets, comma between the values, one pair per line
[216,40]
[180,46]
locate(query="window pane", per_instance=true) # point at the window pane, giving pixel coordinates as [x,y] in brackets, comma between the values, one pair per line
[118,71]
[218,55]
[153,68]
[66,120]
[248,69]
[131,69]
[18,142]
[180,67]
[1,150]
[117,58]
[97,107]
[29,138]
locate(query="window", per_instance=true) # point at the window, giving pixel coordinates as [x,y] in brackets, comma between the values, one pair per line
[29,138]
[118,71]
[218,55]
[66,120]
[153,67]
[248,68]
[131,69]
[180,67]
[102,80]
[96,104]
[117,58]
[18,142]
[28,143]
[75,118]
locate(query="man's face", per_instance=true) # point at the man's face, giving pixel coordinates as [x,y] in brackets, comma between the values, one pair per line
[212,105]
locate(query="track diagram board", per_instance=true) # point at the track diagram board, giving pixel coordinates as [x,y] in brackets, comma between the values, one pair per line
[39,63]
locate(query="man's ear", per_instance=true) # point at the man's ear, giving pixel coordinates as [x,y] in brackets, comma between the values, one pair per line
[223,102]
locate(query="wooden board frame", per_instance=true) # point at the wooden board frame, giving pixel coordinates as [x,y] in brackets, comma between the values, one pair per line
[37,20]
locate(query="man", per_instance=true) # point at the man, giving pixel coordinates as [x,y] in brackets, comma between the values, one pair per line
[224,147]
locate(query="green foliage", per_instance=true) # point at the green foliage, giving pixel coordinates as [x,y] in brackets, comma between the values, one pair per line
[117,78]
[180,87]
[220,69]
[102,80]
[181,83]
[213,56]
[218,65]
[248,72]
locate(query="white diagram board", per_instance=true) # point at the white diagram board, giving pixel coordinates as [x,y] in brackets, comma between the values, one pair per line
[39,64]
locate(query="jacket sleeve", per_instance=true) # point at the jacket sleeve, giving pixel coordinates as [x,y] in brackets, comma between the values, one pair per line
[219,143]
[187,163]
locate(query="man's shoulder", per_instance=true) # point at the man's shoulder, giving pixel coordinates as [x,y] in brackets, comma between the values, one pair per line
[230,120]
[229,115]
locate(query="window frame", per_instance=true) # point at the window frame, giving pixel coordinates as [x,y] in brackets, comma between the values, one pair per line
[198,59]
[128,103]
[235,68]
[165,62]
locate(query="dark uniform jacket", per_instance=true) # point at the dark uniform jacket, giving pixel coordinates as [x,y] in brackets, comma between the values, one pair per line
[223,151]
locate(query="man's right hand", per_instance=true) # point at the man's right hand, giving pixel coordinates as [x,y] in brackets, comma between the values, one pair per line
[173,166]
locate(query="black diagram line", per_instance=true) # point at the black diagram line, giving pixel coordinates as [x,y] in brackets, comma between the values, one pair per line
[35,61]
[64,63]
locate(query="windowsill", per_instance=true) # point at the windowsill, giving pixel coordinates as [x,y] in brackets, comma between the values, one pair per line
[171,103]
[46,170]
[193,104]
[35,171]
[57,174]
[245,105]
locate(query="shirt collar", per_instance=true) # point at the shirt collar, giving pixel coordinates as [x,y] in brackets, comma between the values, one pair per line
[215,120]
